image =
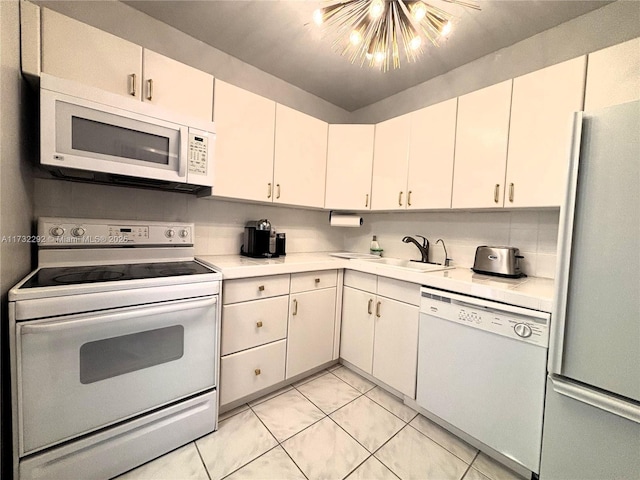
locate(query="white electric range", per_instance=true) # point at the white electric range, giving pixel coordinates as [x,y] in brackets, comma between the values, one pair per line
[114,348]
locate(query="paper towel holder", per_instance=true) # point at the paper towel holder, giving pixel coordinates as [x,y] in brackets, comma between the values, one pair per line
[344,219]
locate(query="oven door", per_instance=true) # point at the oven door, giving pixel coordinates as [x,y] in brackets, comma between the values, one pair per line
[85,135]
[79,373]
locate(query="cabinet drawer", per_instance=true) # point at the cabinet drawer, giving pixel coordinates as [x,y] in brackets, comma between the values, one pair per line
[398,290]
[247,372]
[249,324]
[302,282]
[361,281]
[254,288]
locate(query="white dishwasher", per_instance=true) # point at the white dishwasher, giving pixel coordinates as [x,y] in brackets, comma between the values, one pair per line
[482,369]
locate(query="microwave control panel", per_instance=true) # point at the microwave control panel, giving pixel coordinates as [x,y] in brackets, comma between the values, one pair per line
[198,153]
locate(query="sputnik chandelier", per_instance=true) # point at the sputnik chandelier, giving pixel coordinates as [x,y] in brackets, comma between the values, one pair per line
[376,31]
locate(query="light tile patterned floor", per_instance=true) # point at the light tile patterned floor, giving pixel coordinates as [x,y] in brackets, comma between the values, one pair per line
[331,425]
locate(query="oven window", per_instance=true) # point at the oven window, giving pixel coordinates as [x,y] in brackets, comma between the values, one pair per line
[115,356]
[97,137]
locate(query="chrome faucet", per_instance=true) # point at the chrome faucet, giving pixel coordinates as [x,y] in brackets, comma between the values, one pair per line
[446,256]
[424,248]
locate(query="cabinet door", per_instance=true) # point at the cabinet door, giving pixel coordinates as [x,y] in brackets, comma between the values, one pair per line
[612,76]
[245,126]
[390,163]
[395,349]
[431,148]
[349,167]
[542,108]
[481,147]
[356,337]
[300,162]
[177,87]
[87,55]
[311,324]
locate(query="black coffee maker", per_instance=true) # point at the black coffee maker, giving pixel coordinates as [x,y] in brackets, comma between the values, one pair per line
[259,240]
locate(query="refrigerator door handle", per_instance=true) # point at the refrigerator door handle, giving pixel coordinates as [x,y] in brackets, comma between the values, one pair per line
[567,213]
[596,399]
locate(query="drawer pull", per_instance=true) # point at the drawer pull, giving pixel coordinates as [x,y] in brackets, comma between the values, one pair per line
[400,199]
[132,84]
[496,193]
[317,281]
[261,288]
[369,311]
[150,89]
[259,324]
[295,307]
[268,190]
[378,309]
[511,188]
[257,371]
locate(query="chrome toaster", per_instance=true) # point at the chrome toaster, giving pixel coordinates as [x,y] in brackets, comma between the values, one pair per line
[500,261]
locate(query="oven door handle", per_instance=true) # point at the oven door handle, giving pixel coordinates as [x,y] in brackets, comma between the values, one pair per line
[93,318]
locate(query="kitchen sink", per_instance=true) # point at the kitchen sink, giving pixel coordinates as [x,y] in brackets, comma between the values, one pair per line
[407,264]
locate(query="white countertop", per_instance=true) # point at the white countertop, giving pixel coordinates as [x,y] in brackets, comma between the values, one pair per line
[527,292]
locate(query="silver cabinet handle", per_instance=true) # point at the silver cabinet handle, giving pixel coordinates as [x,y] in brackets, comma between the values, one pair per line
[496,193]
[400,199]
[132,84]
[261,288]
[378,309]
[277,190]
[409,198]
[268,190]
[149,89]
[511,189]
[258,324]
[257,371]
[295,307]
[366,202]
[369,306]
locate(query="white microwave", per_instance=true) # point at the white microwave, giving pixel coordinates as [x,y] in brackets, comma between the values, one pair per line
[92,135]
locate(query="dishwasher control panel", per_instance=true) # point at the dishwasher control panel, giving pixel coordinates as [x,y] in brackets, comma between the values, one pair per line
[530,326]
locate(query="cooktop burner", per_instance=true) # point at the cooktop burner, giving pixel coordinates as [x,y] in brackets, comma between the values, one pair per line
[56,276]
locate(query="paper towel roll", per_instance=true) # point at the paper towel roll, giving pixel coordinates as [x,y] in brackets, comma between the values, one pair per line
[345,220]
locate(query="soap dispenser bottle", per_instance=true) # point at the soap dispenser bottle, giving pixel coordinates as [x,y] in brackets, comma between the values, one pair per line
[375,247]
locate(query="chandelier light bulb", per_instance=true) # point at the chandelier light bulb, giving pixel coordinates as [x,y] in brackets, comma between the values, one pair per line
[318,15]
[419,11]
[415,43]
[379,56]
[355,38]
[376,9]
[446,29]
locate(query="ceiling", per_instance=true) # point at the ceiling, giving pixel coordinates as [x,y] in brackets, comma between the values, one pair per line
[278,37]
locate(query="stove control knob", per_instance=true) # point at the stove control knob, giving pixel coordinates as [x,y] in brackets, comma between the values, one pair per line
[78,231]
[170,233]
[522,330]
[57,231]
[184,233]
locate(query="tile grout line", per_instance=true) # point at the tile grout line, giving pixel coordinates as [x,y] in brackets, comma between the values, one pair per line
[206,470]
[469,467]
[380,404]
[442,446]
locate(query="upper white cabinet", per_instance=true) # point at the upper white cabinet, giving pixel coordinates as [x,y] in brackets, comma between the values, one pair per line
[349,167]
[613,75]
[542,108]
[390,163]
[431,149]
[481,147]
[245,126]
[176,86]
[85,54]
[300,159]
[79,52]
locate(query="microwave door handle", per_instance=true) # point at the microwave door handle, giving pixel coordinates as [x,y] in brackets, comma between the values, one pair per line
[184,151]
[88,320]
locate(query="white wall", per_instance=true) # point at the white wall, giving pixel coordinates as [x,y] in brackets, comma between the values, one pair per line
[15,197]
[534,232]
[219,224]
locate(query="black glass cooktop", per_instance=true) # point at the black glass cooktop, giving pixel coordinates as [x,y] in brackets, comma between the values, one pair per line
[57,276]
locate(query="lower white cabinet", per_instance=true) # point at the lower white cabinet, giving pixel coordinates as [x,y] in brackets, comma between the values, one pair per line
[379,334]
[252,370]
[311,329]
[395,348]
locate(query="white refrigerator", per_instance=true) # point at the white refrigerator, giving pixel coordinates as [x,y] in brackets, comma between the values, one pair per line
[592,410]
